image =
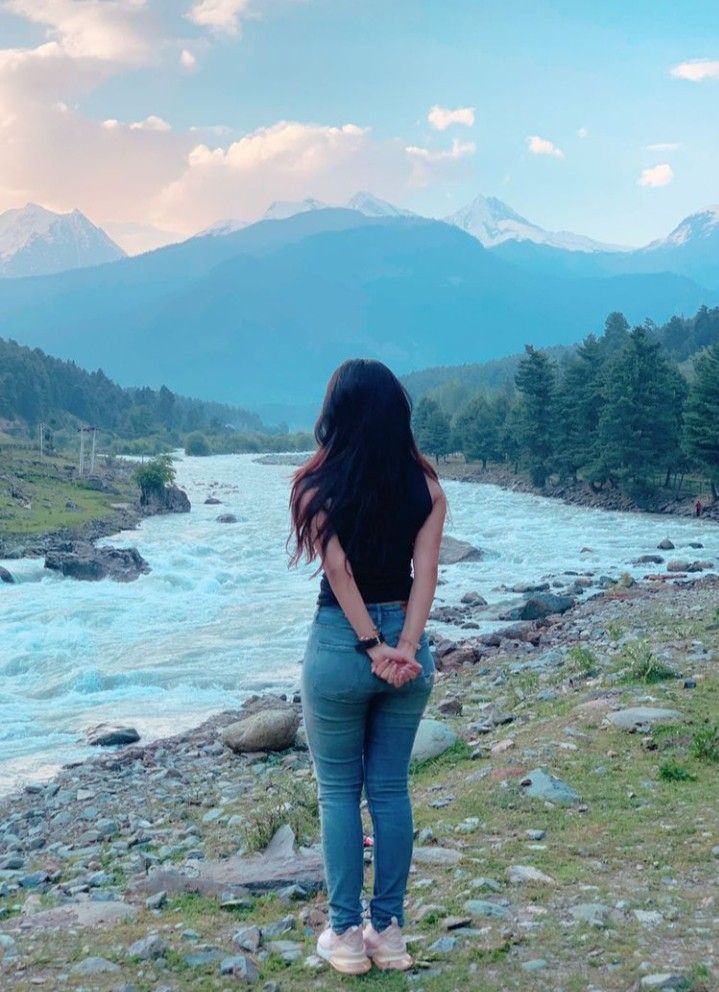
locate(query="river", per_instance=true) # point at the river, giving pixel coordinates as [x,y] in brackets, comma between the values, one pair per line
[220,616]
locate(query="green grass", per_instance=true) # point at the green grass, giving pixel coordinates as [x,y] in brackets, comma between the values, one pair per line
[705,744]
[642,665]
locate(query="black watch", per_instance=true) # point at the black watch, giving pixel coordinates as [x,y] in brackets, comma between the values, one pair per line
[365,643]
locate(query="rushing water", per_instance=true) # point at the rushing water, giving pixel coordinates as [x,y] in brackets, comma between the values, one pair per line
[220,616]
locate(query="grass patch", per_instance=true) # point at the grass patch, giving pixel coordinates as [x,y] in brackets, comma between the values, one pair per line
[583,660]
[455,755]
[671,771]
[642,665]
[705,744]
[288,800]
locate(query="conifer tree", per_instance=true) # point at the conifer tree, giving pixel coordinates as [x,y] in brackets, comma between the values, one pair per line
[702,414]
[432,428]
[536,380]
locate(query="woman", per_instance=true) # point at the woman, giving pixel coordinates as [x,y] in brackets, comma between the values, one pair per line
[368,506]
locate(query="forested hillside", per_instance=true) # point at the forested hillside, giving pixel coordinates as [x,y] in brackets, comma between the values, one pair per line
[35,388]
[621,411]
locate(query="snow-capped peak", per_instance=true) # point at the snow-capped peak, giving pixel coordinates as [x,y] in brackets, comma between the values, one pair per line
[37,241]
[282,209]
[492,222]
[222,227]
[372,206]
[702,224]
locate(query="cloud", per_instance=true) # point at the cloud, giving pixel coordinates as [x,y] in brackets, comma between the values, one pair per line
[221,16]
[287,160]
[458,150]
[583,132]
[187,59]
[442,117]
[103,30]
[664,146]
[696,70]
[542,146]
[658,175]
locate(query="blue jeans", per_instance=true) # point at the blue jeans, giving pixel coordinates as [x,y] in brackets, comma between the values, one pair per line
[360,731]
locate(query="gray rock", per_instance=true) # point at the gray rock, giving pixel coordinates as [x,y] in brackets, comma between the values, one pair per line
[536,964]
[666,981]
[665,545]
[641,718]
[485,908]
[107,735]
[528,875]
[82,560]
[148,948]
[452,551]
[473,599]
[594,913]
[267,730]
[540,784]
[444,945]
[156,901]
[5,576]
[95,966]
[436,856]
[240,967]
[226,518]
[433,738]
[248,938]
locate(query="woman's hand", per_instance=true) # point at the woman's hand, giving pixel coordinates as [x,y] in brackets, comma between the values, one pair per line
[395,665]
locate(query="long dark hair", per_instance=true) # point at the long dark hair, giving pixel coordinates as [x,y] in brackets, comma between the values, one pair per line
[360,469]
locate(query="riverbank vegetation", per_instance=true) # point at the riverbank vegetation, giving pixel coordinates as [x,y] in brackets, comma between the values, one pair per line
[636,409]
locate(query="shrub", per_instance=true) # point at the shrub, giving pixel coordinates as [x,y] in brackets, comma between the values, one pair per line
[705,743]
[153,476]
[642,664]
[197,445]
[672,771]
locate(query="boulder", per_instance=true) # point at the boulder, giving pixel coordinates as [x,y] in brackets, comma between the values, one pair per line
[473,599]
[541,784]
[538,606]
[433,738]
[678,565]
[226,518]
[82,560]
[649,560]
[267,730]
[452,551]
[5,576]
[108,735]
[171,499]
[641,718]
[446,856]
[212,501]
[665,545]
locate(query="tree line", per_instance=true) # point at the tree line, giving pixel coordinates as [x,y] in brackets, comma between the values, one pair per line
[37,388]
[621,411]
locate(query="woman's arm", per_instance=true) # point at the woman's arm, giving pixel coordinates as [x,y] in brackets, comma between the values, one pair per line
[425,559]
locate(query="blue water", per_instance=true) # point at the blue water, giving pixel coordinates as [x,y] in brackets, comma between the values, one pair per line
[220,616]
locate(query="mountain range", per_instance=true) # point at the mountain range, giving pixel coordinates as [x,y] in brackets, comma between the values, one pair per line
[262,315]
[36,241]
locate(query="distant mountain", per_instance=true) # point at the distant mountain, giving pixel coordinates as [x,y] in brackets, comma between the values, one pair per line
[492,222]
[372,206]
[35,241]
[263,315]
[222,227]
[691,250]
[284,209]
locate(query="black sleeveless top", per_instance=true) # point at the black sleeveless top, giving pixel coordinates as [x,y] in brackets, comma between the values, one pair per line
[392,580]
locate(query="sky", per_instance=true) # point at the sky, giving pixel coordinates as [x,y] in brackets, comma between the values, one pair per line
[158,118]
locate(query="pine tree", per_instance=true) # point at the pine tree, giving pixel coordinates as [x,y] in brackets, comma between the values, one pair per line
[640,425]
[477,431]
[536,380]
[702,414]
[432,428]
[616,333]
[579,404]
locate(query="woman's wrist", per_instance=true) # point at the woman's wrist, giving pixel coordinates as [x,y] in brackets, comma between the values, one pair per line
[406,642]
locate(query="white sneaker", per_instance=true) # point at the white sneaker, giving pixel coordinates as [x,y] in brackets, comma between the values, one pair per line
[387,948]
[344,951]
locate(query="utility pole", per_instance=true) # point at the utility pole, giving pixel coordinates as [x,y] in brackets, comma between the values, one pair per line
[82,431]
[92,453]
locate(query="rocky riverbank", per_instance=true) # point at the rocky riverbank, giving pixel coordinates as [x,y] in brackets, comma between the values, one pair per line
[579,493]
[566,828]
